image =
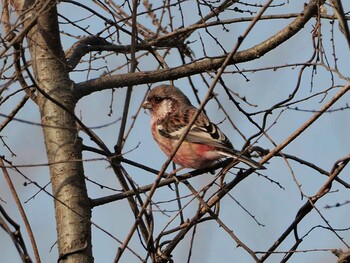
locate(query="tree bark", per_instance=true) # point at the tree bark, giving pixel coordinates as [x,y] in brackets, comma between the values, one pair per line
[63,146]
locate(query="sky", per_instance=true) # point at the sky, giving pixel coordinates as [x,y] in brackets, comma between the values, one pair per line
[273,205]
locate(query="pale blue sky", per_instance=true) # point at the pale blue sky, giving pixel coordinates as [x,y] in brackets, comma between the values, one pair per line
[322,144]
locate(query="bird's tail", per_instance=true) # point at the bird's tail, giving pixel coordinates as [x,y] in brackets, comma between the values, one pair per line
[242,158]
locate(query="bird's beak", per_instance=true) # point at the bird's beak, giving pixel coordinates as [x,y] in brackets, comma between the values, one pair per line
[147,105]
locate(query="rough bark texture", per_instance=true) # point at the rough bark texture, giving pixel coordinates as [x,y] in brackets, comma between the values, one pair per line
[62,143]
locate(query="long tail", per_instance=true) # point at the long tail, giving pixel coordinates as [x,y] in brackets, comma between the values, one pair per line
[238,155]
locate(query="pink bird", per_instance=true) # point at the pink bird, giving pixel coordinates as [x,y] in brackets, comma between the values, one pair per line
[171,111]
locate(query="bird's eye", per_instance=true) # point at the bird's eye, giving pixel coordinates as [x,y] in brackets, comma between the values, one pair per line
[159,99]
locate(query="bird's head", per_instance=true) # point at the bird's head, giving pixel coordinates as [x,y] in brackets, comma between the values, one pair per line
[163,99]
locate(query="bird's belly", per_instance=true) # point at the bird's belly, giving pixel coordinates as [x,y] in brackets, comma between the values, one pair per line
[191,155]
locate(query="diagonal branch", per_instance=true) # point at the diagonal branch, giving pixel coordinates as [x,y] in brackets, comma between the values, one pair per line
[22,212]
[343,23]
[308,206]
[116,81]
[16,235]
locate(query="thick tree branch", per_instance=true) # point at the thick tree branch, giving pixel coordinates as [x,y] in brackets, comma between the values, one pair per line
[343,23]
[107,82]
[68,182]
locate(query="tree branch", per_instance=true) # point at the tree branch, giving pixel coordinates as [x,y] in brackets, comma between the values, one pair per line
[23,214]
[121,80]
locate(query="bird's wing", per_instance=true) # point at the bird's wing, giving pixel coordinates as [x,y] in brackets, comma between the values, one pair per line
[209,134]
[202,131]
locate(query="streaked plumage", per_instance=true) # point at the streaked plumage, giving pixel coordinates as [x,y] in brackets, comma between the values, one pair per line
[205,143]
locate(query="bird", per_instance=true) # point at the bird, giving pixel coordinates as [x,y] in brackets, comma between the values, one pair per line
[204,145]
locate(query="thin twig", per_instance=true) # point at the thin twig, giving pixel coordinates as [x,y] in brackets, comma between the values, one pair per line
[22,212]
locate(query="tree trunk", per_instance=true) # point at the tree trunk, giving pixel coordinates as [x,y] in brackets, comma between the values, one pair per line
[63,146]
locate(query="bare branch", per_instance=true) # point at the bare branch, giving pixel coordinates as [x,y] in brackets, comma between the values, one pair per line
[121,80]
[24,216]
